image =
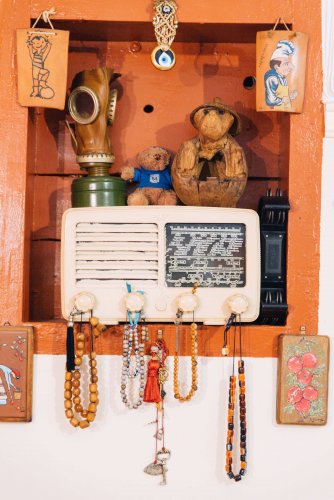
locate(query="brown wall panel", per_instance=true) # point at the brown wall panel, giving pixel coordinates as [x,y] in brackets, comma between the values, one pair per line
[202,72]
[52,196]
[45,281]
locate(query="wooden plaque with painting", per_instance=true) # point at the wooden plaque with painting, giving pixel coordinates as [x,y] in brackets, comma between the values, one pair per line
[280,70]
[302,384]
[16,359]
[42,67]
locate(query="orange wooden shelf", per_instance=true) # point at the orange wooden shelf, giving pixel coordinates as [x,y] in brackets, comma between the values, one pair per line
[258,341]
[214,11]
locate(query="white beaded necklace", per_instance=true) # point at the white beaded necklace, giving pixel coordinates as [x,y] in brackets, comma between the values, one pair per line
[130,339]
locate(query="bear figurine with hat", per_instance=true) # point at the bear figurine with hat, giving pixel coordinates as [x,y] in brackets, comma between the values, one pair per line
[211,169]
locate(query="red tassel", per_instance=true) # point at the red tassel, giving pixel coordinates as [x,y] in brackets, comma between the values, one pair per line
[152,390]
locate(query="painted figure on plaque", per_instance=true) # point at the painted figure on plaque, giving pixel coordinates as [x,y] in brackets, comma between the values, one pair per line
[39,48]
[7,375]
[3,394]
[277,91]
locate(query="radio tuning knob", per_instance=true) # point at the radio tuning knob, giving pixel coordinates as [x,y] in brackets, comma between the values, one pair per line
[238,303]
[187,302]
[134,302]
[84,301]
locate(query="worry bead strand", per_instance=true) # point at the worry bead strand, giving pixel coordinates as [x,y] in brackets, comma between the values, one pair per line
[130,339]
[242,423]
[73,388]
[194,350]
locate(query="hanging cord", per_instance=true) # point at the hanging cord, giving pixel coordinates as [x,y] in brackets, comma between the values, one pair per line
[240,336]
[234,343]
[228,325]
[164,354]
[163,424]
[280,20]
[156,437]
[91,333]
[70,355]
[45,14]
[178,323]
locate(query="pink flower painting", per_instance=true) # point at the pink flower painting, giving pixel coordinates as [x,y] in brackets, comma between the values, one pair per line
[302,381]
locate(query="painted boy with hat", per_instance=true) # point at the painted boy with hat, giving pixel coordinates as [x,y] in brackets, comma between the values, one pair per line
[275,80]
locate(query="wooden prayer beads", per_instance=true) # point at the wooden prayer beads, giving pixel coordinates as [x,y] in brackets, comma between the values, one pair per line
[72,382]
[232,407]
[230,424]
[194,348]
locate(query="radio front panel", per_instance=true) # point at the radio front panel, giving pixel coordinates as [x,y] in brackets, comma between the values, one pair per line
[162,251]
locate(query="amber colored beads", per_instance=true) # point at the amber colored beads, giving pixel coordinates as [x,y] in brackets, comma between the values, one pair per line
[73,389]
[194,348]
[231,423]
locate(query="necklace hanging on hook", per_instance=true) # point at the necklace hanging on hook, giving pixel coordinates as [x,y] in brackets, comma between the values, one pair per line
[165,26]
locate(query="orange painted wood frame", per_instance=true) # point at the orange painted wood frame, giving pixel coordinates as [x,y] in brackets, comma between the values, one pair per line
[302,182]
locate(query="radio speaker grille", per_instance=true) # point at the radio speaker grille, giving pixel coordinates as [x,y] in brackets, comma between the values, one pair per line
[109,255]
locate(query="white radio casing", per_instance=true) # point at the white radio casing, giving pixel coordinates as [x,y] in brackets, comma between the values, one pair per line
[104,248]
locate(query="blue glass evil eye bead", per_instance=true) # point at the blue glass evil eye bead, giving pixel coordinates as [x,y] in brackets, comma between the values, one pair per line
[165,60]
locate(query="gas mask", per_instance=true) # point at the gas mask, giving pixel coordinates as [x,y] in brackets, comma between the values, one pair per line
[92,106]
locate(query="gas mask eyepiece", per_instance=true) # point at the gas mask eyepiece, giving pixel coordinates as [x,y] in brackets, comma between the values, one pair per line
[83,105]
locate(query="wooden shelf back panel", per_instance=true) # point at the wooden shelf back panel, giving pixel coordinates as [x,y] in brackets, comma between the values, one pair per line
[202,72]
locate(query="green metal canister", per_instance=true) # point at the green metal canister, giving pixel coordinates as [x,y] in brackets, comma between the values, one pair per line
[98,191]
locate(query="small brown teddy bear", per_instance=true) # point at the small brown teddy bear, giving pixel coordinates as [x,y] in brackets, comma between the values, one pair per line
[153,177]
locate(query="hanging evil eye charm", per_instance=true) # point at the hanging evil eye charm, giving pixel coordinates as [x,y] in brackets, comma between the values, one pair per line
[163,60]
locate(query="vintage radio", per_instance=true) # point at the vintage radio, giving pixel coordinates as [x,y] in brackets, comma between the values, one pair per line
[163,252]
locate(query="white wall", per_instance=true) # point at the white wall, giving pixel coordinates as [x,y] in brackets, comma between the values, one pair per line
[48,458]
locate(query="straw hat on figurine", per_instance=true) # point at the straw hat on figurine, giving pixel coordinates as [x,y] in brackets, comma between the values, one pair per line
[219,106]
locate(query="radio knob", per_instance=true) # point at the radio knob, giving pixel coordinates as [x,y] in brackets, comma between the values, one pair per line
[134,301]
[187,302]
[238,303]
[84,302]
